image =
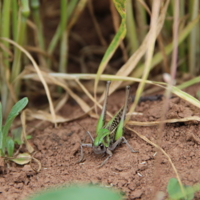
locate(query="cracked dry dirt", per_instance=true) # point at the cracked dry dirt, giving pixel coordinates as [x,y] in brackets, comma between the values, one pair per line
[137,175]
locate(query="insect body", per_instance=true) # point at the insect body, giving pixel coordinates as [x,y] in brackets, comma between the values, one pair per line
[109,135]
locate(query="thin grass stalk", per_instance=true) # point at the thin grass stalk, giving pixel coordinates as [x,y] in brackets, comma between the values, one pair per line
[149,53]
[5,32]
[194,11]
[168,49]
[16,67]
[15,9]
[63,42]
[173,75]
[54,41]
[141,19]
[168,22]
[35,5]
[182,46]
[131,28]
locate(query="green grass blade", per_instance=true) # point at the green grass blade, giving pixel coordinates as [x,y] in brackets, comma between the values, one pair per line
[19,106]
[131,28]
[16,66]
[70,9]
[121,8]
[5,32]
[10,146]
[14,18]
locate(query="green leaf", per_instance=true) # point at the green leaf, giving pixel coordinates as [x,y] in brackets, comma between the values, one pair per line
[173,187]
[22,159]
[10,146]
[20,105]
[79,192]
[174,190]
[190,196]
[17,135]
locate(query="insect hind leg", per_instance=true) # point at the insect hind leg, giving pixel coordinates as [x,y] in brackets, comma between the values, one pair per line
[119,141]
[129,146]
[82,154]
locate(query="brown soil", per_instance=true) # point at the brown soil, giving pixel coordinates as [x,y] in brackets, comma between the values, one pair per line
[138,175]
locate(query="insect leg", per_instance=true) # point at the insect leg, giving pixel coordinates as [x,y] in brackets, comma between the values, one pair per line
[110,155]
[90,136]
[102,117]
[129,146]
[82,154]
[119,131]
[119,141]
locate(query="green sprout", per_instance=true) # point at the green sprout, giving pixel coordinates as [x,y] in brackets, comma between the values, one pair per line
[174,190]
[7,143]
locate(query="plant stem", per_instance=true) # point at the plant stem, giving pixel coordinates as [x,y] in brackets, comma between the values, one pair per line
[63,42]
[5,32]
[15,8]
[16,67]
[193,46]
[35,5]
[57,35]
[131,28]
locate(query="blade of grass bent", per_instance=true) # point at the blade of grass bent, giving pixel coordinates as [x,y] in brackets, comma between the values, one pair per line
[20,105]
[105,77]
[149,54]
[39,74]
[121,8]
[128,67]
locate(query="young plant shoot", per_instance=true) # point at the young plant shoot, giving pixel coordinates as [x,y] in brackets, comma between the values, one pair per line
[109,135]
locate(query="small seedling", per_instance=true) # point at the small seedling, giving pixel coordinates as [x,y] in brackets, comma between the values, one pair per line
[7,143]
[109,135]
[174,190]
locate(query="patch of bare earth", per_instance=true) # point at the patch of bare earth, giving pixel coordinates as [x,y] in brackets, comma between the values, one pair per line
[137,175]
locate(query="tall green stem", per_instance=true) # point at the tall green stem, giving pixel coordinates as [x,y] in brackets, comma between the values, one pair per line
[131,28]
[70,8]
[35,5]
[5,32]
[16,67]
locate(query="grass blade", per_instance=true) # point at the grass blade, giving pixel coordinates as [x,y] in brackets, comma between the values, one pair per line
[19,106]
[121,8]
[10,146]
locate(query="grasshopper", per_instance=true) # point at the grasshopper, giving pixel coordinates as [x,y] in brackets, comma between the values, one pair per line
[109,135]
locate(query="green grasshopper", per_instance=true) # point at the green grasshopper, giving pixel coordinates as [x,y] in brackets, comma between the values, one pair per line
[109,135]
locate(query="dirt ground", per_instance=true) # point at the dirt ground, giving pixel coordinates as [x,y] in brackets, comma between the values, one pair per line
[137,175]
